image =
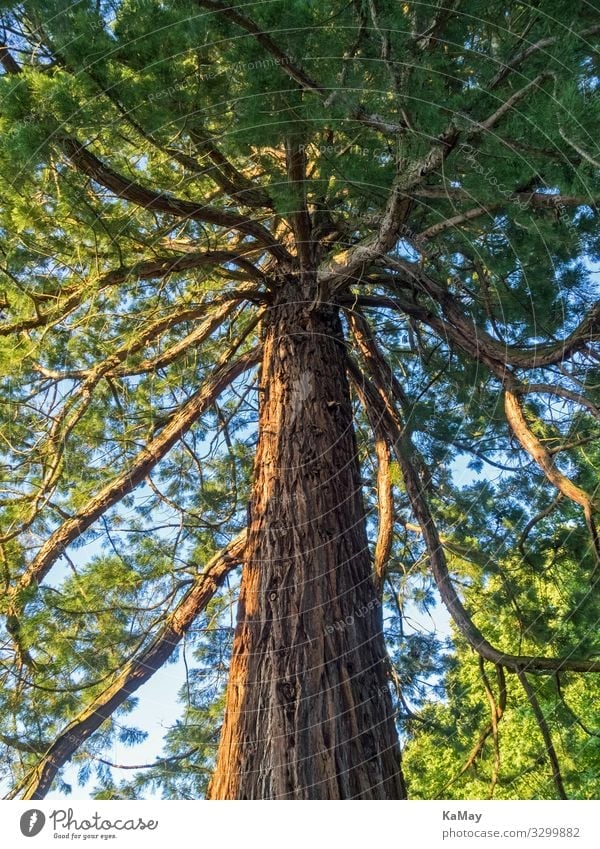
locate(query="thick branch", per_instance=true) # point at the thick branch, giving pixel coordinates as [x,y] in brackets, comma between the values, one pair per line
[115,365]
[477,341]
[135,473]
[171,354]
[544,459]
[345,265]
[133,192]
[374,359]
[300,218]
[534,447]
[147,270]
[221,172]
[404,451]
[137,672]
[385,512]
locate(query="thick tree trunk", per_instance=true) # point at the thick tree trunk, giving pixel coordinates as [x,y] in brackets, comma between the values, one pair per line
[309,713]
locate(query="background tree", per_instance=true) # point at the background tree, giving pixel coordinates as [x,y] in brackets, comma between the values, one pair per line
[390,210]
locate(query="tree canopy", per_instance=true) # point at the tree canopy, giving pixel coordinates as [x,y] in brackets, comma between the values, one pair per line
[433,168]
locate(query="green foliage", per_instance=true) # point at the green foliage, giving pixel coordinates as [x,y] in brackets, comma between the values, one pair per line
[100,347]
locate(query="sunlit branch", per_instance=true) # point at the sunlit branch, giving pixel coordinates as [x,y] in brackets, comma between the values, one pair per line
[543,458]
[385,513]
[341,268]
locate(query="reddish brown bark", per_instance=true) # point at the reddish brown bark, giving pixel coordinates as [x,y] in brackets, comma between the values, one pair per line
[309,713]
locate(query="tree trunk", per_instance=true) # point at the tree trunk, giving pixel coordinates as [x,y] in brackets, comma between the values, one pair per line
[309,713]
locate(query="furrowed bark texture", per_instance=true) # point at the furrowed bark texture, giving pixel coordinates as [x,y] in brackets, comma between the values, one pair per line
[309,713]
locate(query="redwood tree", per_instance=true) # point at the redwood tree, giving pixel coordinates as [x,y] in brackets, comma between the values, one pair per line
[298,322]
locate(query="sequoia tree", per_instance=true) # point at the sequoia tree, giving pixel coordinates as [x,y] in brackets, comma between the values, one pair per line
[298,326]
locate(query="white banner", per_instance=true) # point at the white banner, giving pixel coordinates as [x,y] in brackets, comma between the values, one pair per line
[287,825]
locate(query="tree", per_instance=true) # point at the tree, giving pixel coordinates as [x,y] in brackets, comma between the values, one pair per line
[301,294]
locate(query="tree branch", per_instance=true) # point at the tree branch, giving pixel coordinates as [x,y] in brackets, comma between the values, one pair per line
[385,512]
[584,728]
[543,726]
[497,712]
[23,745]
[542,200]
[454,221]
[560,392]
[477,341]
[101,173]
[343,266]
[509,104]
[292,68]
[404,450]
[286,62]
[141,465]
[523,55]
[68,417]
[122,187]
[147,270]
[139,670]
[543,458]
